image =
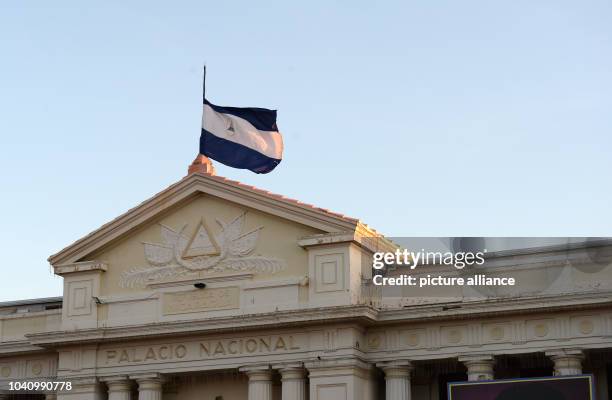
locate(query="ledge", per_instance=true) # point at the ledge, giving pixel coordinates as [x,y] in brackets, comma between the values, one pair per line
[361,314]
[84,266]
[496,307]
[371,243]
[207,279]
[16,347]
[323,315]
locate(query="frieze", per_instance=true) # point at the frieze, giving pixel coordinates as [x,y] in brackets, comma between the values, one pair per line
[495,336]
[204,349]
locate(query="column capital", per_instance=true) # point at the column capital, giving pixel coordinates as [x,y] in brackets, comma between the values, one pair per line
[291,365]
[260,381]
[291,370]
[395,363]
[117,383]
[115,378]
[479,366]
[350,362]
[565,353]
[261,372]
[149,386]
[566,361]
[150,381]
[146,376]
[293,380]
[396,368]
[471,358]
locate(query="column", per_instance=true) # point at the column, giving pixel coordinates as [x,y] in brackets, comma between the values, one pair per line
[566,362]
[397,379]
[119,387]
[293,378]
[149,386]
[479,367]
[260,382]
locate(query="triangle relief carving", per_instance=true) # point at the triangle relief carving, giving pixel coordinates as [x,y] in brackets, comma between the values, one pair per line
[180,255]
[202,243]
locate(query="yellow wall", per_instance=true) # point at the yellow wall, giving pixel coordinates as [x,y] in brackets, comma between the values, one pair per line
[277,239]
[15,327]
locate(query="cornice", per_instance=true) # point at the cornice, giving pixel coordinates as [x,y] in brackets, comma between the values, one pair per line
[362,314]
[84,266]
[496,307]
[18,347]
[367,240]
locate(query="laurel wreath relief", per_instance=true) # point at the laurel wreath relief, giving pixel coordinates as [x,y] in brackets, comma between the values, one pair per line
[168,259]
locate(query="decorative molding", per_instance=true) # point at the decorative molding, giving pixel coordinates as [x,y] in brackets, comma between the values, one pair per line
[299,281]
[128,298]
[169,260]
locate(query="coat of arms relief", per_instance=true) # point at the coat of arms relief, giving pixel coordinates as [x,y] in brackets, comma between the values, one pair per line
[180,255]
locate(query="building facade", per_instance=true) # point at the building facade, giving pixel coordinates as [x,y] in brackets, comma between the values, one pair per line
[214,290]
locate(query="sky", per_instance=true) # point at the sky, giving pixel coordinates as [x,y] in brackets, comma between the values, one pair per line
[445,118]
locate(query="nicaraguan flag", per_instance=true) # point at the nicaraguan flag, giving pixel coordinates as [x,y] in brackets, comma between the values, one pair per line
[244,138]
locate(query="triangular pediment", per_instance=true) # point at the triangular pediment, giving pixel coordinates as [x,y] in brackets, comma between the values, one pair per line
[200,239]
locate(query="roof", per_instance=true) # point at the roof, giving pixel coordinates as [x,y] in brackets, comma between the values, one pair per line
[228,189]
[30,302]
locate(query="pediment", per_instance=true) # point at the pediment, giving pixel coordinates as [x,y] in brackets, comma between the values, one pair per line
[238,197]
[204,237]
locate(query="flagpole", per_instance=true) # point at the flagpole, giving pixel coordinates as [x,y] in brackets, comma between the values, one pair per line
[204,85]
[202,164]
[203,94]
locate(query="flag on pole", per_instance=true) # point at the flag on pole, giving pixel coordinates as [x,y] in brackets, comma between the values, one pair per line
[245,138]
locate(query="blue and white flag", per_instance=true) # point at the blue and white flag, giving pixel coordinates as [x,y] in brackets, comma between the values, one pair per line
[245,138]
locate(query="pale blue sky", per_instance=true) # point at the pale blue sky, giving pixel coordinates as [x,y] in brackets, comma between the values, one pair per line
[421,118]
